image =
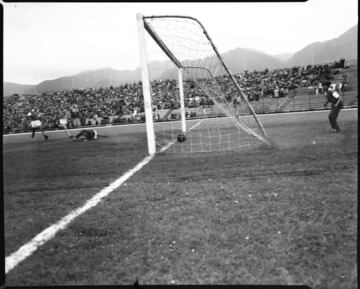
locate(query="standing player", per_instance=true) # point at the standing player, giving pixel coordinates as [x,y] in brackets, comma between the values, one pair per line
[36,123]
[75,116]
[336,105]
[64,115]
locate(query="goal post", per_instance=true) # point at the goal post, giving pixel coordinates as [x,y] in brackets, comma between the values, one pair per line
[182,100]
[203,75]
[146,87]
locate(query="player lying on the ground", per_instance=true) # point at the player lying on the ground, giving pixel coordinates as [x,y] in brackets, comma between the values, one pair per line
[87,134]
[36,124]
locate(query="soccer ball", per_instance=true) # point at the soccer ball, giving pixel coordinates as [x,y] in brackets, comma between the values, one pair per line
[181,137]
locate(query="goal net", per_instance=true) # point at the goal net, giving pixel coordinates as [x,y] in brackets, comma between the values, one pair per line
[193,103]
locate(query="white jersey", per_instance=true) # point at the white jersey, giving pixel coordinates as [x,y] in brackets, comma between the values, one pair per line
[35,123]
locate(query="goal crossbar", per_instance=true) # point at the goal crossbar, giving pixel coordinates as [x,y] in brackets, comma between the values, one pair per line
[211,84]
[173,58]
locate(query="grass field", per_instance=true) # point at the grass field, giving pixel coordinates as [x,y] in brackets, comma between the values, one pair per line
[283,215]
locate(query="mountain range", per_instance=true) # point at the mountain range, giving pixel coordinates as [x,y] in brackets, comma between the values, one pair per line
[238,60]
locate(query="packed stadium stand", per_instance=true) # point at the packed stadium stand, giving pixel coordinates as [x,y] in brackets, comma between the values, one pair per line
[281,90]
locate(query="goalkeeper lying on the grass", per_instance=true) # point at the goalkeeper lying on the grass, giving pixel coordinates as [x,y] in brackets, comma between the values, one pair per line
[87,134]
[84,134]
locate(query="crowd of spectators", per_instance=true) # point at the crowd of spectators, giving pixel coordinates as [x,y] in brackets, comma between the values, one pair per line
[86,107]
[280,82]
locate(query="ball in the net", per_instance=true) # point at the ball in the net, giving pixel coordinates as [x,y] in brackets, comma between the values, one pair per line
[181,137]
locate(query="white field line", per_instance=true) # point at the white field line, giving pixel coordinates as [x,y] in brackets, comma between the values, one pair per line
[26,250]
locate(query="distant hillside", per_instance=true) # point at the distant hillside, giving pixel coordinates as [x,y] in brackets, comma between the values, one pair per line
[89,79]
[284,56]
[97,78]
[244,59]
[328,51]
[11,88]
[238,60]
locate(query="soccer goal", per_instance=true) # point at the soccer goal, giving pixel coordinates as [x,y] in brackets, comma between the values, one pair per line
[192,101]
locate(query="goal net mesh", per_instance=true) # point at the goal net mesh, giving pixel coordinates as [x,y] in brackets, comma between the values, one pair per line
[218,117]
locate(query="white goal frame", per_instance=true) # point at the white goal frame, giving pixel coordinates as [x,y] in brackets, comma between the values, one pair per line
[142,26]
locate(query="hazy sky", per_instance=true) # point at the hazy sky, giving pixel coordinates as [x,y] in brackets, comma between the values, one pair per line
[49,40]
